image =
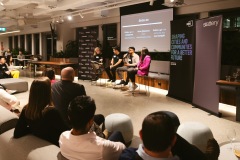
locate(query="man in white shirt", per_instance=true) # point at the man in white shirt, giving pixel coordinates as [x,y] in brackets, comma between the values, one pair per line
[131,60]
[79,143]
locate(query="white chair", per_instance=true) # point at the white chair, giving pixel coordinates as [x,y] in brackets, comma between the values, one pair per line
[195,133]
[120,122]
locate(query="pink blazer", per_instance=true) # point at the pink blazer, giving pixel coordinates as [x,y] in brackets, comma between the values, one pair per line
[143,66]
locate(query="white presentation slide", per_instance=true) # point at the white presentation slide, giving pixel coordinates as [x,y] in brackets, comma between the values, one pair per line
[148,29]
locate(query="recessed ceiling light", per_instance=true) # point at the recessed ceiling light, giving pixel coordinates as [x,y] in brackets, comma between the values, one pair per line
[69,17]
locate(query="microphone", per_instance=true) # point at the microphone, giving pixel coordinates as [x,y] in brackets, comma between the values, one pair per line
[126,55]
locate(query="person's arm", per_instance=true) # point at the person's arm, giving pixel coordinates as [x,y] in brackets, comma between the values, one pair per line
[112,150]
[135,61]
[111,61]
[21,128]
[8,99]
[145,64]
[83,91]
[118,62]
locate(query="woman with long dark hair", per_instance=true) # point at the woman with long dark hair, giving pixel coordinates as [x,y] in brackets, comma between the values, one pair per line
[142,67]
[14,72]
[39,117]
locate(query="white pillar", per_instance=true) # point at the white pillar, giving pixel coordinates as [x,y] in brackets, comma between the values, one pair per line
[25,42]
[33,46]
[40,44]
[19,39]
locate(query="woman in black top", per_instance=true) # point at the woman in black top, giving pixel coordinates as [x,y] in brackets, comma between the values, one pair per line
[97,63]
[39,117]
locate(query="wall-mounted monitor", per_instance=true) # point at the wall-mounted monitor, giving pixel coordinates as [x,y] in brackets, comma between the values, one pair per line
[147,29]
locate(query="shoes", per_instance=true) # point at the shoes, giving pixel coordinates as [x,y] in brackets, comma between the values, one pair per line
[126,83]
[121,82]
[109,80]
[113,80]
[133,88]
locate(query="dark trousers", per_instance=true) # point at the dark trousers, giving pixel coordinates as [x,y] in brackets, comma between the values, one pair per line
[131,75]
[111,72]
[116,136]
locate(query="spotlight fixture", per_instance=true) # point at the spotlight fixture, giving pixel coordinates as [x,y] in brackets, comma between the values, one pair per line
[1,4]
[69,17]
[151,2]
[80,14]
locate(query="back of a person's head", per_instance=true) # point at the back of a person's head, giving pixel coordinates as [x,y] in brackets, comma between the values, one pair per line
[67,74]
[157,132]
[50,74]
[39,97]
[80,111]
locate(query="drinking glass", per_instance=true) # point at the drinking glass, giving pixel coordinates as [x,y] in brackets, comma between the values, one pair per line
[231,134]
[236,150]
[235,75]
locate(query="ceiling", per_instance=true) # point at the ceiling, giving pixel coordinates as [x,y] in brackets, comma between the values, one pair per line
[16,14]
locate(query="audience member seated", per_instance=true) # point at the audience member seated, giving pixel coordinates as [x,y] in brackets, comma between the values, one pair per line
[20,58]
[39,117]
[142,67]
[4,72]
[8,53]
[180,148]
[131,60]
[66,90]
[14,72]
[50,73]
[97,63]
[7,100]
[79,143]
[158,136]
[117,61]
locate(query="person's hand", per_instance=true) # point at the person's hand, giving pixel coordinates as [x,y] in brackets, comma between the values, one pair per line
[7,72]
[111,66]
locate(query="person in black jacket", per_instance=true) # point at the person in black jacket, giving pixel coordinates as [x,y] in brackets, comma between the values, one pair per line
[64,91]
[4,72]
[39,117]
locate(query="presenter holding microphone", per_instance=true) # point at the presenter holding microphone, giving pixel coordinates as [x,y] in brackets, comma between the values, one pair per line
[131,60]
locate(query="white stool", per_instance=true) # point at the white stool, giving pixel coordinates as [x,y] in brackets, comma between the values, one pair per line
[120,122]
[196,133]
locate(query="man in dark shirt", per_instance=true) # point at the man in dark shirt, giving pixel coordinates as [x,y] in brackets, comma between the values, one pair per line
[66,90]
[117,61]
[181,148]
[4,72]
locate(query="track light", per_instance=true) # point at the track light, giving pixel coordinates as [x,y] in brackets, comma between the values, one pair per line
[80,14]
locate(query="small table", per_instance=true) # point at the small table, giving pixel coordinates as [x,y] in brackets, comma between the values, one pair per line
[226,151]
[60,64]
[237,87]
